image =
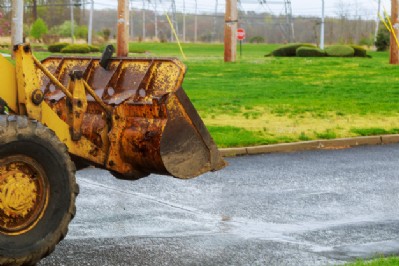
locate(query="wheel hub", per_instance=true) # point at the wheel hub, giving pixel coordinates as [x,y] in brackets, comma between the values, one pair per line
[23,194]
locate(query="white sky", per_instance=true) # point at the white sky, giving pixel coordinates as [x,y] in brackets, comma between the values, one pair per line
[353,8]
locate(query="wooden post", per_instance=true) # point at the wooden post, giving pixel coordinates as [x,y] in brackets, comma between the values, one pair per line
[230,31]
[394,55]
[122,49]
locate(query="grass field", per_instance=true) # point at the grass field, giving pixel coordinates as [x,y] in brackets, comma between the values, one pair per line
[393,261]
[265,100]
[260,100]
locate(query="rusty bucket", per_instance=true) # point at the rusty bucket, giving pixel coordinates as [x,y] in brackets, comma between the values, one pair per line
[151,126]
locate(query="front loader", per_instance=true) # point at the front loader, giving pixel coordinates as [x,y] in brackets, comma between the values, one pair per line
[129,116]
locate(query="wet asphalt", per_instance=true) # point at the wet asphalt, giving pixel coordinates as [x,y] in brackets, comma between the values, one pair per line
[309,208]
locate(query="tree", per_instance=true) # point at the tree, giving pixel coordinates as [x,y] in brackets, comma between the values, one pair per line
[5,26]
[64,29]
[39,28]
[32,4]
[343,12]
[81,32]
[55,12]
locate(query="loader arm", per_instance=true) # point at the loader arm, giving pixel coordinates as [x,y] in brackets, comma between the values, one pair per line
[8,88]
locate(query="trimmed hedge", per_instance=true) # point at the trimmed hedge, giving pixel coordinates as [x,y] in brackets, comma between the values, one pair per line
[64,47]
[94,49]
[57,47]
[76,48]
[359,51]
[289,49]
[310,52]
[340,51]
[257,39]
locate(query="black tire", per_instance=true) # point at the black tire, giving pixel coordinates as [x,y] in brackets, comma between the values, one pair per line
[27,144]
[79,163]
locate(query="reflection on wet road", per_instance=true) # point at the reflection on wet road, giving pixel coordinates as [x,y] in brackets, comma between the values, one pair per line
[309,208]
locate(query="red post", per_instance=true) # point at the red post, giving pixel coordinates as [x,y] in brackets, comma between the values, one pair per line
[122,49]
[230,31]
[394,55]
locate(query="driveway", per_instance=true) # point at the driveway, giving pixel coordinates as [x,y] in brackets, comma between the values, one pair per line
[308,208]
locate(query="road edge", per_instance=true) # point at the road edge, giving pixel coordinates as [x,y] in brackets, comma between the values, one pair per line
[311,145]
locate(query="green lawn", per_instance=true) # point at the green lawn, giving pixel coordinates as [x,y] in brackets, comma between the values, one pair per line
[260,100]
[264,100]
[393,261]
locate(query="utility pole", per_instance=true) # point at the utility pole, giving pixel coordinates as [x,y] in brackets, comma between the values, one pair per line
[322,26]
[174,21]
[72,22]
[17,22]
[131,25]
[377,26]
[144,33]
[90,33]
[196,22]
[230,31]
[215,21]
[184,21]
[394,59]
[122,49]
[156,20]
[290,22]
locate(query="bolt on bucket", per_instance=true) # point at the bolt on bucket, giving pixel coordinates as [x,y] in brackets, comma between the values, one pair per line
[152,126]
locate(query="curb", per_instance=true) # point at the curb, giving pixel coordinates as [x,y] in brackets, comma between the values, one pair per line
[310,145]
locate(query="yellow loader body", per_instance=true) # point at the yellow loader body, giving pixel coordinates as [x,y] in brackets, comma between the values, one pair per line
[131,117]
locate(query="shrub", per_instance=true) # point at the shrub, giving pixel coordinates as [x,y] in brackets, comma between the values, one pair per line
[383,39]
[51,39]
[368,41]
[340,51]
[81,32]
[289,49]
[310,52]
[57,47]
[359,51]
[5,25]
[103,46]
[39,28]
[26,30]
[257,39]
[94,49]
[76,48]
[106,34]
[63,30]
